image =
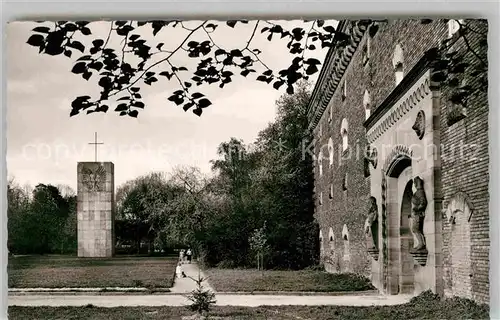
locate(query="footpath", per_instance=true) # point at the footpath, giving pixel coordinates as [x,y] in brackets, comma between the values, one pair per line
[134,297]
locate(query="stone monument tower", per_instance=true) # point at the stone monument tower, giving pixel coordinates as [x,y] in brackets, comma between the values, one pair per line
[96,208]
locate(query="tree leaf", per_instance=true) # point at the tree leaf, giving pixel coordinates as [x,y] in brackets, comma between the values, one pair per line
[42,29]
[198,111]
[86,75]
[98,43]
[121,107]
[197,95]
[79,67]
[36,40]
[86,31]
[203,103]
[133,113]
[77,45]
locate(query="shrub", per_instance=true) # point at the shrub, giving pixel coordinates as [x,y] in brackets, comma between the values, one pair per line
[202,298]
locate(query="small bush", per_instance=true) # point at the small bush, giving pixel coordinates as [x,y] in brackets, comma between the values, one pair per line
[202,298]
[138,283]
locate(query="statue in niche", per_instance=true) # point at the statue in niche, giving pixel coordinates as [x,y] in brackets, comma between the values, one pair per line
[371,224]
[418,206]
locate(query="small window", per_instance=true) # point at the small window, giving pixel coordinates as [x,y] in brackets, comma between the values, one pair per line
[331,237]
[330,115]
[344,182]
[366,51]
[331,191]
[367,104]
[344,133]
[330,150]
[344,90]
[454,26]
[321,198]
[320,130]
[320,163]
[397,63]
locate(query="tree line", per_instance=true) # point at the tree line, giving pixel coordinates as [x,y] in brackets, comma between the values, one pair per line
[256,205]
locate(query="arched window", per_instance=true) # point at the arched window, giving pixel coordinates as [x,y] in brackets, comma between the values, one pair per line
[331,237]
[454,26]
[330,151]
[344,90]
[346,257]
[366,51]
[367,104]
[321,198]
[343,132]
[397,63]
[320,163]
[321,249]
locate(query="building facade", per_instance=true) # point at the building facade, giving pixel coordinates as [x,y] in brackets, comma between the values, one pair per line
[401,167]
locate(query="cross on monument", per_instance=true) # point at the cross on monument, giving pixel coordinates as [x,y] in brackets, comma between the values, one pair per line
[95,143]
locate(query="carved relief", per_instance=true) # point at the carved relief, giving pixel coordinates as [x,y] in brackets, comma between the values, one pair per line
[419,204]
[419,125]
[371,224]
[456,112]
[370,158]
[94,180]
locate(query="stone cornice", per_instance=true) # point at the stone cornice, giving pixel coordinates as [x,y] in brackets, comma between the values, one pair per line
[412,89]
[334,67]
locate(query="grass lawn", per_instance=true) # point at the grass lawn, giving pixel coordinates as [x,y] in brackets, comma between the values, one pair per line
[233,280]
[70,271]
[425,306]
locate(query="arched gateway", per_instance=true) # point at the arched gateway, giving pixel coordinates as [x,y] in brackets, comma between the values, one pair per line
[406,188]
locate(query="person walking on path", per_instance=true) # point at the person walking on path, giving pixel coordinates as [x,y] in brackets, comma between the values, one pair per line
[179,272]
[181,256]
[189,255]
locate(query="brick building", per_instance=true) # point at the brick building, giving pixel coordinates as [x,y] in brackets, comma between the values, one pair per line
[385,128]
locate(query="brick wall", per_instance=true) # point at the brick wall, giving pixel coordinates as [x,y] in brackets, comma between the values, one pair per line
[467,173]
[348,206]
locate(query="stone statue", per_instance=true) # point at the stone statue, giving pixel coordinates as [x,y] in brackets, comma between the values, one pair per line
[371,223]
[418,206]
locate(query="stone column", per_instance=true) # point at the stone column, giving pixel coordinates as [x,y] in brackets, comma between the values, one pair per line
[95,206]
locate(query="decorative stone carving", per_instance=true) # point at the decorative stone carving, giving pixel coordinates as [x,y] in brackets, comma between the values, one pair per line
[371,224]
[456,112]
[409,103]
[418,206]
[419,125]
[94,180]
[385,245]
[370,158]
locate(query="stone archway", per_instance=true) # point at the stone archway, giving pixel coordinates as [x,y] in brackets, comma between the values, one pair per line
[400,274]
[406,271]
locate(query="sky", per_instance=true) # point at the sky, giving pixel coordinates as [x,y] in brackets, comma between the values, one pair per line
[44,144]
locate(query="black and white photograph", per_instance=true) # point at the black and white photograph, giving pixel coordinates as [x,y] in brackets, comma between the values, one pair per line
[248,169]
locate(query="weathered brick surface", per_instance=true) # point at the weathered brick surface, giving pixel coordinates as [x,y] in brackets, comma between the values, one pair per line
[467,172]
[349,207]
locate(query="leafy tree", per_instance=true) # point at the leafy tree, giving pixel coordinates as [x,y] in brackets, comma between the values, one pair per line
[143,208]
[139,58]
[18,205]
[258,244]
